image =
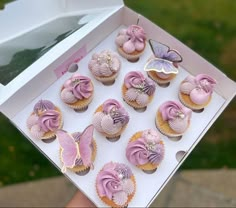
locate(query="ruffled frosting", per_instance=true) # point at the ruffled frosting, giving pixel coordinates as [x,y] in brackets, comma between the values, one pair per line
[36,131]
[131,39]
[139,87]
[104,64]
[176,115]
[67,96]
[112,118]
[78,87]
[32,120]
[147,149]
[49,120]
[114,182]
[199,88]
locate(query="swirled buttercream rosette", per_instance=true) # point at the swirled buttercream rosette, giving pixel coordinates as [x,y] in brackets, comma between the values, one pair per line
[77,92]
[115,184]
[131,42]
[196,92]
[173,119]
[44,121]
[146,150]
[110,119]
[138,90]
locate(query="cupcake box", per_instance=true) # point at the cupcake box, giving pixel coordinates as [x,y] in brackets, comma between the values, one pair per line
[44,78]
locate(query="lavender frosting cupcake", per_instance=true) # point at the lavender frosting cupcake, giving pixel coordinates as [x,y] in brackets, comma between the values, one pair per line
[115,184]
[110,119]
[173,119]
[77,92]
[146,150]
[138,90]
[131,42]
[105,66]
[45,120]
[196,92]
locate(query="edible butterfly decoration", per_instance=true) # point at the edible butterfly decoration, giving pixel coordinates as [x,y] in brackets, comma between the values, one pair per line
[166,60]
[72,150]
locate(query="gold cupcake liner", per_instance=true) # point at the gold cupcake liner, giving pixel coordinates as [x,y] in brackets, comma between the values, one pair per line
[133,57]
[164,127]
[107,80]
[134,104]
[112,203]
[153,75]
[185,99]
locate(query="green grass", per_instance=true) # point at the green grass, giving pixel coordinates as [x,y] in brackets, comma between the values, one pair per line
[19,159]
[209,28]
[4,2]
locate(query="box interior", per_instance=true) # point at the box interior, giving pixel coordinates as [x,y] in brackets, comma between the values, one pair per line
[102,37]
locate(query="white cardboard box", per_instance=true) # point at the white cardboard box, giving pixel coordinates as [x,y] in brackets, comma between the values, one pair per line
[43,80]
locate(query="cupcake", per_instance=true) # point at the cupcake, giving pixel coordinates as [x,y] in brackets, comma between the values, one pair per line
[105,66]
[77,92]
[146,150]
[173,119]
[137,90]
[44,121]
[162,67]
[77,150]
[115,184]
[196,92]
[110,119]
[131,42]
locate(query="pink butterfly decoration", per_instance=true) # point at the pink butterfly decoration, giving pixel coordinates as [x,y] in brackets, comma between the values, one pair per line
[72,150]
[85,144]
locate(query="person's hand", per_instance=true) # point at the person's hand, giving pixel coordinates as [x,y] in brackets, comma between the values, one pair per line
[80,200]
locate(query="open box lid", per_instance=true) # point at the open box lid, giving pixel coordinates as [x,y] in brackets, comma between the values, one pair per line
[97,35]
[45,26]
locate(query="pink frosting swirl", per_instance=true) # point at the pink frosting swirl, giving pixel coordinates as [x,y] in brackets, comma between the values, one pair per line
[49,120]
[43,105]
[206,82]
[171,110]
[80,86]
[199,88]
[116,111]
[132,39]
[136,33]
[137,153]
[136,80]
[108,182]
[146,149]
[110,104]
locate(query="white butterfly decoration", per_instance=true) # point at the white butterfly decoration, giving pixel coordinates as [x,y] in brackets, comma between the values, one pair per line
[165,60]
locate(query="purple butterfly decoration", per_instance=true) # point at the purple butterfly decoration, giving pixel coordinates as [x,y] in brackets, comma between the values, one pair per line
[165,59]
[72,150]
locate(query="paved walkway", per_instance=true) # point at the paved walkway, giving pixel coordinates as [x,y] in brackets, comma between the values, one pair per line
[186,189]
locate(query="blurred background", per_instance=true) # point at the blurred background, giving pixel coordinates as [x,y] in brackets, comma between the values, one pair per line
[206,26]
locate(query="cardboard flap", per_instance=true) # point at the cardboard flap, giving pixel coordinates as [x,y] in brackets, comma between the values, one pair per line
[21,16]
[40,27]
